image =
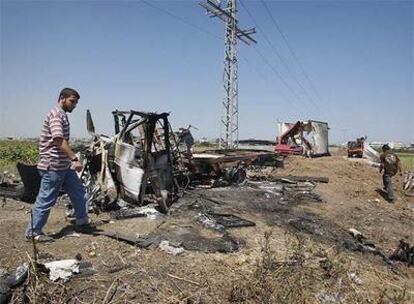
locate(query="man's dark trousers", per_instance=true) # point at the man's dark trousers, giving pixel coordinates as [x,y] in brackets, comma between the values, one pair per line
[387,179]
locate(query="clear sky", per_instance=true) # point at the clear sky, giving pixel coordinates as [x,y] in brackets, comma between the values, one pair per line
[167,56]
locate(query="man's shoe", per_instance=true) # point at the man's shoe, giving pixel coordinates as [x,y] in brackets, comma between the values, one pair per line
[41,238]
[89,228]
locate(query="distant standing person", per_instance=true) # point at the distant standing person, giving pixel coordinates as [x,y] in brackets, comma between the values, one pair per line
[391,165]
[57,167]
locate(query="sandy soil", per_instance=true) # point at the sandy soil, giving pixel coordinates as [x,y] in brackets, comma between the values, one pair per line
[126,274]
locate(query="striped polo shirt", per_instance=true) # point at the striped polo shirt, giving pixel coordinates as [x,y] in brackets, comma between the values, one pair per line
[51,157]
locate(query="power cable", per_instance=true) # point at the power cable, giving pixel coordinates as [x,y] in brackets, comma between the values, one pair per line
[274,49]
[278,76]
[267,81]
[181,19]
[178,18]
[292,52]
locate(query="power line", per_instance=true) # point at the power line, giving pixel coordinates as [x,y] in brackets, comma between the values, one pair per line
[181,19]
[274,49]
[267,81]
[278,76]
[256,70]
[295,57]
[178,18]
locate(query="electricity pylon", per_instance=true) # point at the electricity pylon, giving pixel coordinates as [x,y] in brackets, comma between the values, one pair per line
[229,124]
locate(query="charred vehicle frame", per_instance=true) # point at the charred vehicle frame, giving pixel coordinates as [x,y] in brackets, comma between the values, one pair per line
[136,164]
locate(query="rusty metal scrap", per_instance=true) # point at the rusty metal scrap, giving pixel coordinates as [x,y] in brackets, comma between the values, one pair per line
[145,161]
[229,220]
[303,137]
[229,164]
[135,164]
[24,189]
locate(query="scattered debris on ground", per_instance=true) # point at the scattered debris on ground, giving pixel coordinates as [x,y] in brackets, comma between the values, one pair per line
[408,184]
[233,227]
[62,269]
[8,281]
[174,250]
[404,253]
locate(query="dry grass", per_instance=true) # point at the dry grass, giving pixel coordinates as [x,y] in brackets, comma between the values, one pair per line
[276,267]
[293,270]
[307,274]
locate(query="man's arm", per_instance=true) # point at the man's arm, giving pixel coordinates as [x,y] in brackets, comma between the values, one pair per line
[64,146]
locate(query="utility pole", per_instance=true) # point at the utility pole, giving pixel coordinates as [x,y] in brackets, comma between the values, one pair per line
[229,124]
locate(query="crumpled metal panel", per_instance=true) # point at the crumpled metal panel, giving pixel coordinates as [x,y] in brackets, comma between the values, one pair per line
[129,172]
[311,135]
[370,153]
[319,137]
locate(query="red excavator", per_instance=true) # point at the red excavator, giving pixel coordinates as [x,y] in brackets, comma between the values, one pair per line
[287,143]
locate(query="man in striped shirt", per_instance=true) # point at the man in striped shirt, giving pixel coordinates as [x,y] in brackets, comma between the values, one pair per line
[57,166]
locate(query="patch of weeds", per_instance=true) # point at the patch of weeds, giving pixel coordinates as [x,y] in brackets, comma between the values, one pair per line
[305,274]
[38,289]
[291,280]
[388,296]
[327,265]
[332,265]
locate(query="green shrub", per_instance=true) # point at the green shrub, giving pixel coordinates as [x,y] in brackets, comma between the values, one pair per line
[13,151]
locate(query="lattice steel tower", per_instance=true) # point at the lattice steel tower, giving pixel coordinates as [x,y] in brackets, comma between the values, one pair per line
[229,124]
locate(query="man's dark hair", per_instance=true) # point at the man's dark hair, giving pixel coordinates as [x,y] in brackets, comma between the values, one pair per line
[386,147]
[67,92]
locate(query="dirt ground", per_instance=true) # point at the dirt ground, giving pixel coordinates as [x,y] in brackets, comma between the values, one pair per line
[294,254]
